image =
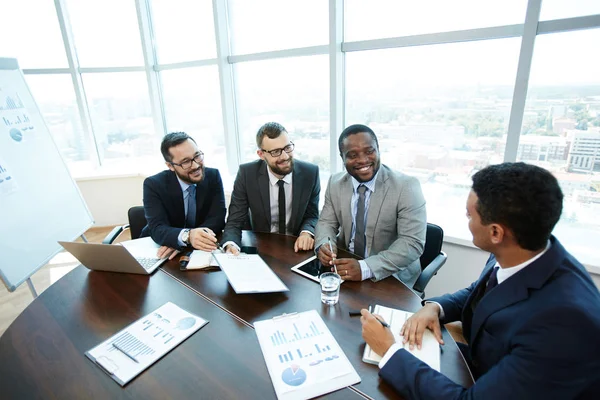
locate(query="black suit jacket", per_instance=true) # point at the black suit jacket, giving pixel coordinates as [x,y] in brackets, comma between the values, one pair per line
[251,192]
[165,212]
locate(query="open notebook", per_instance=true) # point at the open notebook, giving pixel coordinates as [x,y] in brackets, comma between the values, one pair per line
[202,259]
[430,349]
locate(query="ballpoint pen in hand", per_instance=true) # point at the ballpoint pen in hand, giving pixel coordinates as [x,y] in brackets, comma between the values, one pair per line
[332,255]
[382,322]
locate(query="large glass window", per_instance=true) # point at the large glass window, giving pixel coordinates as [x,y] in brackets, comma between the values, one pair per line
[293,92]
[106,33]
[375,19]
[561,132]
[440,113]
[192,104]
[55,97]
[184,30]
[122,118]
[265,25]
[29,31]
[556,9]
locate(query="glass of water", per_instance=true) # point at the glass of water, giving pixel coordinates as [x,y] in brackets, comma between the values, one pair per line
[330,288]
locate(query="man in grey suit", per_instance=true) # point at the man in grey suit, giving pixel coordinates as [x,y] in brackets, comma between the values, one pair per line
[275,194]
[374,212]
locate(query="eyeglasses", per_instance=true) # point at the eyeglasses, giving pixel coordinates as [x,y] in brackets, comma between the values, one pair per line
[277,152]
[187,164]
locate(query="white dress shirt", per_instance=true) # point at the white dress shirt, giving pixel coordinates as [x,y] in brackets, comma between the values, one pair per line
[274,196]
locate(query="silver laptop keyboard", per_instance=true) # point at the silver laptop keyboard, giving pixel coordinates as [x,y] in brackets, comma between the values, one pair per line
[147,263]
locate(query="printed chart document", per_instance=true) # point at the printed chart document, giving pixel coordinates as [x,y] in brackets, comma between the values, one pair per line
[132,350]
[141,248]
[303,358]
[430,350]
[248,273]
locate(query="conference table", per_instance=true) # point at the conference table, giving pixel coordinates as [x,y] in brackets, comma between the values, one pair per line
[42,352]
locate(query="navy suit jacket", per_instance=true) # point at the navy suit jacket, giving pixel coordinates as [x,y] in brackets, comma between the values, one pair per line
[536,335]
[250,200]
[165,212]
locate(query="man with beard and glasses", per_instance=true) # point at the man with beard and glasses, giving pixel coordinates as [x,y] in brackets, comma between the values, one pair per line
[531,319]
[372,211]
[185,205]
[275,194]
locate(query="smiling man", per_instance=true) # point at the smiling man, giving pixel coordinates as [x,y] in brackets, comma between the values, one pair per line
[184,205]
[276,193]
[379,214]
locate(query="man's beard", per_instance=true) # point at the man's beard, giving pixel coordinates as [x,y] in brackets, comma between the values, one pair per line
[279,171]
[186,177]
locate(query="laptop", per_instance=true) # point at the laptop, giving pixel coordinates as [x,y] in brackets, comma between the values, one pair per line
[133,256]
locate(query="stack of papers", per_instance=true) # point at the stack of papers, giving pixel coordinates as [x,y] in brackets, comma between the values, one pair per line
[248,273]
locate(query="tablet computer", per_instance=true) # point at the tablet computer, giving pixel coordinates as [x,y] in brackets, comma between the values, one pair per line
[311,268]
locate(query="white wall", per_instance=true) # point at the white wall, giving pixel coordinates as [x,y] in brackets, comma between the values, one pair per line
[109,199]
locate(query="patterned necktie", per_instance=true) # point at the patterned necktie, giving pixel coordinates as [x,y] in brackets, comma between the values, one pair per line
[190,218]
[359,234]
[280,183]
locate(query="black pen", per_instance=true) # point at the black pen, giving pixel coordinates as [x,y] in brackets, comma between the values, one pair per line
[382,322]
[185,259]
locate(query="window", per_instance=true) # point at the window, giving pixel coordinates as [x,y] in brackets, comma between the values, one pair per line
[293,92]
[192,104]
[440,113]
[184,30]
[556,9]
[55,97]
[122,118]
[33,38]
[377,19]
[106,33]
[563,107]
[266,25]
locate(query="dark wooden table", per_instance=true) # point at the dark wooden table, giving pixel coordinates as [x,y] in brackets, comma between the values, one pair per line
[278,253]
[42,352]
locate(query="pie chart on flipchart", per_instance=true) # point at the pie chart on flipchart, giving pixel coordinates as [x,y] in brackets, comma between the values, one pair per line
[16,134]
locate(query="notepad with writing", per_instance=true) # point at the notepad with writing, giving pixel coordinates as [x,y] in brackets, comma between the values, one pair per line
[430,349]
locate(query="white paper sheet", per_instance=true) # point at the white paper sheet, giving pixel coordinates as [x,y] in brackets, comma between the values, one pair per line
[430,349]
[303,358]
[127,353]
[248,273]
[141,248]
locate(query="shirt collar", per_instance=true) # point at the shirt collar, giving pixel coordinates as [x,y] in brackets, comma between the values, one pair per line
[370,184]
[505,273]
[273,179]
[184,185]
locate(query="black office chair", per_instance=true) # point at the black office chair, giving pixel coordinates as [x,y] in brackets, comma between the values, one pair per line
[137,222]
[432,259]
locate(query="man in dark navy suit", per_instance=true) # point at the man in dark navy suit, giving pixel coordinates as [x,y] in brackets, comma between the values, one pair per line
[531,320]
[185,205]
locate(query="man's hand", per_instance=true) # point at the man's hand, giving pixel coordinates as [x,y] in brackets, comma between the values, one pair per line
[231,249]
[203,239]
[376,335]
[427,317]
[325,255]
[348,269]
[166,251]
[304,242]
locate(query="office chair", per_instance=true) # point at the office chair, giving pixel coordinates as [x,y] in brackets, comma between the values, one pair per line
[137,222]
[432,259]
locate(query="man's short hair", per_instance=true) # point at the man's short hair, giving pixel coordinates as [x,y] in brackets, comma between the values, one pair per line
[353,130]
[171,140]
[525,198]
[272,130]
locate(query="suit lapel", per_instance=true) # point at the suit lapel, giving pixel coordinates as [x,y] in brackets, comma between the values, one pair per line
[346,192]
[375,203]
[201,194]
[176,196]
[297,192]
[516,288]
[263,189]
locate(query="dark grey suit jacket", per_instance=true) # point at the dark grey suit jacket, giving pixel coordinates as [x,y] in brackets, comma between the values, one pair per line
[250,200]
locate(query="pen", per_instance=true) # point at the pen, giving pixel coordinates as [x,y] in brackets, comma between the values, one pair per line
[217,243]
[185,259]
[332,256]
[124,352]
[382,322]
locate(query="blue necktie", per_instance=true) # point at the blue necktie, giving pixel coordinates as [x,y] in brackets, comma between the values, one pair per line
[190,218]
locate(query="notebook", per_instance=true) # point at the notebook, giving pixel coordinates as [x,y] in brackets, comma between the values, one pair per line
[200,259]
[430,349]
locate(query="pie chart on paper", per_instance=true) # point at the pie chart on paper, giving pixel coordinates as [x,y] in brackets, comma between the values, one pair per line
[293,376]
[16,134]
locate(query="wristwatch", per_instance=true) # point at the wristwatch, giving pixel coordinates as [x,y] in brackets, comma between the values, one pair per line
[185,237]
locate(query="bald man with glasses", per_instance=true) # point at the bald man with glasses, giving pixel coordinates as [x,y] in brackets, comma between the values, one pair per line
[276,193]
[184,205]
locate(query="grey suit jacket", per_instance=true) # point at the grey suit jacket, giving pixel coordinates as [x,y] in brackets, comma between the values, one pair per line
[396,223]
[250,206]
